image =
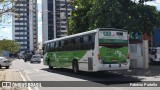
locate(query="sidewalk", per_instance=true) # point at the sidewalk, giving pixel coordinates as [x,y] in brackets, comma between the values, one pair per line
[150,74]
[2,75]
[10,75]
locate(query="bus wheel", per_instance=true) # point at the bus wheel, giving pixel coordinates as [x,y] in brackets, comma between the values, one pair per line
[75,66]
[50,66]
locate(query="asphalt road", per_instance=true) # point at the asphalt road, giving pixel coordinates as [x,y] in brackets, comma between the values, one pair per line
[85,80]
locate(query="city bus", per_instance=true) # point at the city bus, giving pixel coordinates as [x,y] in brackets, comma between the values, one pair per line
[96,50]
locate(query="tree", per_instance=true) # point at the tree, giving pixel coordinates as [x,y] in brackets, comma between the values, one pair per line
[80,17]
[123,14]
[9,45]
[7,8]
[105,13]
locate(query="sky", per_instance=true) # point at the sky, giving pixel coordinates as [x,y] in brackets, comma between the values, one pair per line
[39,20]
[154,3]
[6,28]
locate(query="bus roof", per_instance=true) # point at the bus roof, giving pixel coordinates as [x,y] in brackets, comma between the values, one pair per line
[113,29]
[83,33]
[70,36]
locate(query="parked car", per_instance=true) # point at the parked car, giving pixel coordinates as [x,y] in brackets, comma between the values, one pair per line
[27,57]
[35,58]
[20,55]
[5,62]
[154,54]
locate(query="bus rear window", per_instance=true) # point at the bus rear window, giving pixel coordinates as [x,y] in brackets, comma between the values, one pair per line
[113,45]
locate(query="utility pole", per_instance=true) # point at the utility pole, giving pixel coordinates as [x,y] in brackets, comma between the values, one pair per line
[66,6]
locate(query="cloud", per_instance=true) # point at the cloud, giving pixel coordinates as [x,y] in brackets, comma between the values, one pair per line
[135,1]
[158,1]
[155,3]
[39,1]
[6,30]
[39,31]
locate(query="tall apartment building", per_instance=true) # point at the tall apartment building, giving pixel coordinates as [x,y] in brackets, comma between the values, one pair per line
[24,22]
[54,20]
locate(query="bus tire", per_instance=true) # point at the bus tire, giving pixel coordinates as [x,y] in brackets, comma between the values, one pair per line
[75,66]
[50,66]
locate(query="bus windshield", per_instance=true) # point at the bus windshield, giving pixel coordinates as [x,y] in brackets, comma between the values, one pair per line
[113,46]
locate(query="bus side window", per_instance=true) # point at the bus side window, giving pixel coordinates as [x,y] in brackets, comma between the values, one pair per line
[89,38]
[90,42]
[47,47]
[62,46]
[69,46]
[52,46]
[81,43]
[77,43]
[44,49]
[56,46]
[93,41]
[85,44]
[59,46]
[73,44]
[65,45]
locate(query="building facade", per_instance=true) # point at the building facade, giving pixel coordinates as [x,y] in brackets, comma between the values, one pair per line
[24,20]
[55,15]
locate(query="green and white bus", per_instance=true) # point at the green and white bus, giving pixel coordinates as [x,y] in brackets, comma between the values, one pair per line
[96,50]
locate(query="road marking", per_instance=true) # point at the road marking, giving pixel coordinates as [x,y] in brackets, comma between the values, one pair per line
[31,80]
[40,75]
[23,78]
[29,88]
[26,71]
